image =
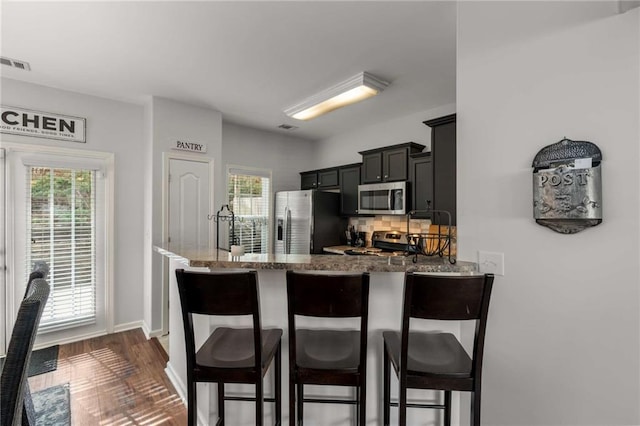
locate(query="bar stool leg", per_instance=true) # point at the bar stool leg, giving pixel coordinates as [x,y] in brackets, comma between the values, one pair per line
[475,408]
[362,402]
[192,408]
[447,408]
[278,385]
[402,404]
[221,403]
[387,390]
[300,403]
[292,401]
[259,403]
[357,416]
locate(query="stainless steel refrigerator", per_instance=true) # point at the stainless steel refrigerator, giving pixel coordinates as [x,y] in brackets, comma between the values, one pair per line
[307,221]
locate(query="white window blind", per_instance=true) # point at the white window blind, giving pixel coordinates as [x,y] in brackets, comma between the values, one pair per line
[61,230]
[249,197]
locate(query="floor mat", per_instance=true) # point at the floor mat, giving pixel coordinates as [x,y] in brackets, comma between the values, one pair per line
[42,361]
[52,406]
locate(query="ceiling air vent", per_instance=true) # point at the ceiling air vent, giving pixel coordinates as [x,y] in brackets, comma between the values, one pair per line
[21,65]
[287,127]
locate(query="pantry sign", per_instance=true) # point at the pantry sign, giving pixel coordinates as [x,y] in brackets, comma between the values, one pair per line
[26,122]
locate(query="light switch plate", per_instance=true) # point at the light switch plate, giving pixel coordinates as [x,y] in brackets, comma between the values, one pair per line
[491,262]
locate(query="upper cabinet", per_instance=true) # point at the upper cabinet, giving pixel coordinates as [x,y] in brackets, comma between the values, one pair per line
[349,181]
[320,179]
[421,178]
[388,164]
[443,157]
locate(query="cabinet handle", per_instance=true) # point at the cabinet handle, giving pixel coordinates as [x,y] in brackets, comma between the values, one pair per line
[377,177]
[319,183]
[386,176]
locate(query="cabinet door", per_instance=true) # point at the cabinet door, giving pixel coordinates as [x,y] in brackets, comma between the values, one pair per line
[308,180]
[395,164]
[328,179]
[349,181]
[444,168]
[421,184]
[372,168]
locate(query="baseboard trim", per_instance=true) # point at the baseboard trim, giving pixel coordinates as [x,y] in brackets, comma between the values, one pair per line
[70,339]
[148,332]
[181,389]
[128,326]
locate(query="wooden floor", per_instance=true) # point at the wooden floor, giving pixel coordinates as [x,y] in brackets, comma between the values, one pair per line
[117,379]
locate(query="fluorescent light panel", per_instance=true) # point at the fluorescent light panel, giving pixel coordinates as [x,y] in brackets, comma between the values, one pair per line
[355,89]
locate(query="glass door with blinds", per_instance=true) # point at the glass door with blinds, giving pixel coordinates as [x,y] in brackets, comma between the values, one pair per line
[249,195]
[59,212]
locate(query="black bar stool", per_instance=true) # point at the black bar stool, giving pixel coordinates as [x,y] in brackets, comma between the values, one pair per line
[229,355]
[437,360]
[327,357]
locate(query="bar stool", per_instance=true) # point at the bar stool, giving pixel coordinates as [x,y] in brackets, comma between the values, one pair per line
[229,355]
[327,357]
[437,360]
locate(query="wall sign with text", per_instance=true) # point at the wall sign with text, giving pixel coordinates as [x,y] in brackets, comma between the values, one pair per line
[26,122]
[190,146]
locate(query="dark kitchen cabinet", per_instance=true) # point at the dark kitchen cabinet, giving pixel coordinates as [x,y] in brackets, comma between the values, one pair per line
[443,155]
[421,178]
[388,164]
[319,179]
[349,181]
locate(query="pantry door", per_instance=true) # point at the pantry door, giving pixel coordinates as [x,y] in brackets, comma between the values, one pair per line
[188,204]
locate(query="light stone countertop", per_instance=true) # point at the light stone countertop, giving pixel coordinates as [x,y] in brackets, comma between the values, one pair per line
[220,259]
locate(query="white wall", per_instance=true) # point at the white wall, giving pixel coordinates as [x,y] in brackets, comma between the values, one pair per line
[171,121]
[111,127]
[344,148]
[286,156]
[563,338]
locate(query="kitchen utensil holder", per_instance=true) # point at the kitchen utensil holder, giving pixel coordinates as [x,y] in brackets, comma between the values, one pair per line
[430,243]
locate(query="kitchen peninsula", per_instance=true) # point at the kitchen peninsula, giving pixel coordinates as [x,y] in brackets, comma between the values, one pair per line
[385,305]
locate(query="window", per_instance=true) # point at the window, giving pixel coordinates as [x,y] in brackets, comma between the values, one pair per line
[60,209]
[61,230]
[249,194]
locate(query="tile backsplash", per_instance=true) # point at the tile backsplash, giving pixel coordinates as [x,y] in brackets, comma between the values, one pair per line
[399,223]
[388,223]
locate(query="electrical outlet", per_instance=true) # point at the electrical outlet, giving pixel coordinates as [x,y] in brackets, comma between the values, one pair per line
[491,262]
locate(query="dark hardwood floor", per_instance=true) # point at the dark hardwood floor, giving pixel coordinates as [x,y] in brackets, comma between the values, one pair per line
[117,379]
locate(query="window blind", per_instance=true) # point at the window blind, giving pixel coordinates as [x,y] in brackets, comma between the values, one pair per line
[249,197]
[61,230]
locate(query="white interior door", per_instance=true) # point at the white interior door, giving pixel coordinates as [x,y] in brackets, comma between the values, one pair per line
[189,203]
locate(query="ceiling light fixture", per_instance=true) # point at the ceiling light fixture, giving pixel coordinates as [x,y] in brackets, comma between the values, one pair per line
[357,88]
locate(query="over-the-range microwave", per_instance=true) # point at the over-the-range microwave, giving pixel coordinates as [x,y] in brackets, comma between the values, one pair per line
[383,198]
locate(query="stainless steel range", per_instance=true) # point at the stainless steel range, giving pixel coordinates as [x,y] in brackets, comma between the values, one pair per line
[384,243]
[390,240]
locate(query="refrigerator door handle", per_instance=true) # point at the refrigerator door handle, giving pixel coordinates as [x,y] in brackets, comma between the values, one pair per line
[287,214]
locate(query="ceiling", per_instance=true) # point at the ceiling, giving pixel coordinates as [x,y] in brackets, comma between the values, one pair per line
[248,60]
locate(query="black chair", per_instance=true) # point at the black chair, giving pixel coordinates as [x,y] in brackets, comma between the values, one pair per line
[437,360]
[15,398]
[327,357]
[229,355]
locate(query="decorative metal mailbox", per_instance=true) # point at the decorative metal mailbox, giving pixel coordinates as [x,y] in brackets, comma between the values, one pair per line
[567,186]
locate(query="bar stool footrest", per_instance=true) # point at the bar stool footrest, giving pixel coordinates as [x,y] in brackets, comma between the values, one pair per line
[330,401]
[417,405]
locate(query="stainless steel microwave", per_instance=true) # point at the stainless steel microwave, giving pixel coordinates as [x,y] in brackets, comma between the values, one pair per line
[383,198]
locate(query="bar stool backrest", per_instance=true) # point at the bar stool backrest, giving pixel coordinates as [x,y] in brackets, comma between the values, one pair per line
[455,298]
[328,296]
[224,294]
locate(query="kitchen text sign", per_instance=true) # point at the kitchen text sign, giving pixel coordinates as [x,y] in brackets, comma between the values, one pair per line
[26,122]
[190,146]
